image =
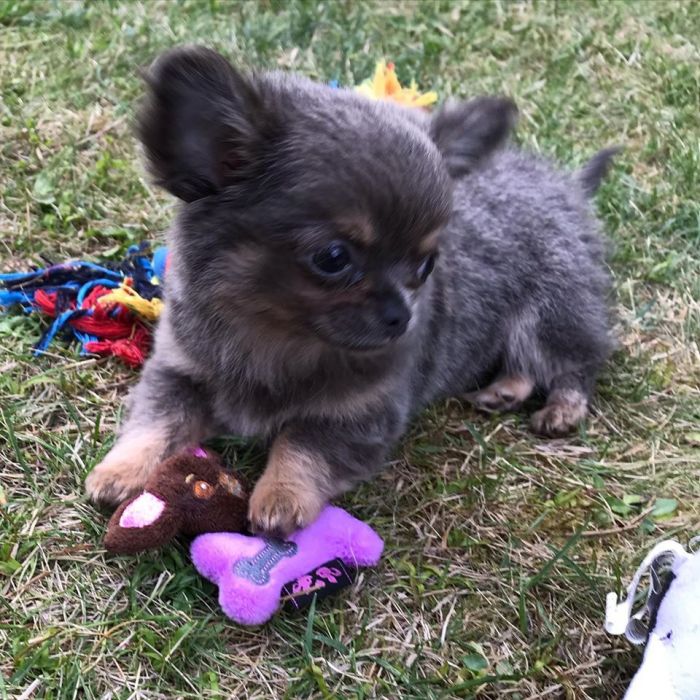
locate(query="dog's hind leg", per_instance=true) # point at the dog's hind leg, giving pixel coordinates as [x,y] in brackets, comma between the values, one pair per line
[562,356]
[507,393]
[565,408]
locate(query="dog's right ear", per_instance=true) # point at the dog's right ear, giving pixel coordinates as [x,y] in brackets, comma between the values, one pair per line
[203,124]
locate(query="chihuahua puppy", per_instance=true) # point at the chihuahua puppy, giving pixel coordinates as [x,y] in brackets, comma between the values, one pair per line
[337,263]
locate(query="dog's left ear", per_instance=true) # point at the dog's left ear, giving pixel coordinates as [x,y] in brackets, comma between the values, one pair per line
[466,132]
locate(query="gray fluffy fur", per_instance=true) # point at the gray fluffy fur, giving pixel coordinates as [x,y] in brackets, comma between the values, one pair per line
[519,287]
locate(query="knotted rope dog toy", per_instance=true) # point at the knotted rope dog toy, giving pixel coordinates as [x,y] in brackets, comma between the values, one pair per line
[107,308]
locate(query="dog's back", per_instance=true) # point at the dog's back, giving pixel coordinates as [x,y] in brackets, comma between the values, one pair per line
[521,287]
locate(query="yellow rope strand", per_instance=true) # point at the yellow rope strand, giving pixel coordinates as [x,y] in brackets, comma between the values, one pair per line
[125,294]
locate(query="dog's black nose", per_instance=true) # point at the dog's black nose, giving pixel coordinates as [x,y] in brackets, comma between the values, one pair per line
[395,315]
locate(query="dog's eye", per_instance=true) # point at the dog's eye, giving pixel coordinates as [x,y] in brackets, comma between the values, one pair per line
[331,260]
[426,267]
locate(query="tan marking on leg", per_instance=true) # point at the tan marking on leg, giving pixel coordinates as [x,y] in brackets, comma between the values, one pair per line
[291,492]
[505,394]
[564,410]
[127,466]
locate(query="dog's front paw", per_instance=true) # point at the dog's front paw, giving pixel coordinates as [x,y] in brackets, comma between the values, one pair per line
[111,482]
[126,468]
[278,508]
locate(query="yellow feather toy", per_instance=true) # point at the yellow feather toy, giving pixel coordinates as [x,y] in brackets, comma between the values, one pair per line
[384,85]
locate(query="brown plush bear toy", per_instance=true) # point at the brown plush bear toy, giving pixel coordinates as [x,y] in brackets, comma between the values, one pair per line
[189,494]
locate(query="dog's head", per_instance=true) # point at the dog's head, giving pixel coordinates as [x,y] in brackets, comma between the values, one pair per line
[310,212]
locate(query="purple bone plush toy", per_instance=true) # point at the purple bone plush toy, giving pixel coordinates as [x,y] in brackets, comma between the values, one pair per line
[251,571]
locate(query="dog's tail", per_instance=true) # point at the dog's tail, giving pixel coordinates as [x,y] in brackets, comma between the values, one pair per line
[592,173]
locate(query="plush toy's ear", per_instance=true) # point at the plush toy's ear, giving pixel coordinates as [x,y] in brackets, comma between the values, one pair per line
[143,522]
[466,132]
[203,123]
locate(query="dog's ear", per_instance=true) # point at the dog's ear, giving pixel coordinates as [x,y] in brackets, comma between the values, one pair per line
[202,122]
[466,132]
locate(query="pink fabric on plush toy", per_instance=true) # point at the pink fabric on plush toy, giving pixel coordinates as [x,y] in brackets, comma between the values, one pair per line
[143,511]
[251,571]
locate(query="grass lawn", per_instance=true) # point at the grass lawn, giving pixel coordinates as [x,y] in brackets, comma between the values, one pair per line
[500,546]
